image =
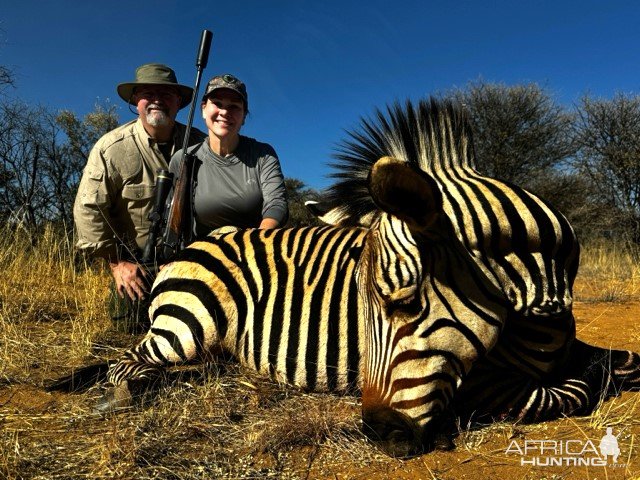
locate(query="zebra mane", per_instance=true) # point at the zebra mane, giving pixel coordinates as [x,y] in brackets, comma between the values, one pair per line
[435,135]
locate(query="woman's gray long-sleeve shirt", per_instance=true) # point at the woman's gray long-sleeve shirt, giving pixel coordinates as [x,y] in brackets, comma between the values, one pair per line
[239,189]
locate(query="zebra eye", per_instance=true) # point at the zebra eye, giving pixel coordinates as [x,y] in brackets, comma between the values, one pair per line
[403,295]
[406,308]
[401,299]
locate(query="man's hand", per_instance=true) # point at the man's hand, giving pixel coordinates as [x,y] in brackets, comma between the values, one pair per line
[129,279]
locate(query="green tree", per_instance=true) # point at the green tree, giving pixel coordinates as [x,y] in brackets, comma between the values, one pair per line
[520,133]
[81,135]
[297,194]
[42,155]
[608,135]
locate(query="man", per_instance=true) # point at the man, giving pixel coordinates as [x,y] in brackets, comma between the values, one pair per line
[117,189]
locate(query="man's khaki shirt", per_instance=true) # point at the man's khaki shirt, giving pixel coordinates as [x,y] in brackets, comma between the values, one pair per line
[117,190]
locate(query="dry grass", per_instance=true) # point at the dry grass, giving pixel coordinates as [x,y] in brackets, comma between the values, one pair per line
[43,287]
[609,272]
[205,425]
[214,421]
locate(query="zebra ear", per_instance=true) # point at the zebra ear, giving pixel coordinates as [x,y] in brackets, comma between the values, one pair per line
[402,190]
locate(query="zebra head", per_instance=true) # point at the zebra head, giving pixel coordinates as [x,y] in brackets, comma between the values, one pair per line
[430,312]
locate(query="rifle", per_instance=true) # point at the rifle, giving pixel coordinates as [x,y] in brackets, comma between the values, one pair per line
[177,225]
[164,182]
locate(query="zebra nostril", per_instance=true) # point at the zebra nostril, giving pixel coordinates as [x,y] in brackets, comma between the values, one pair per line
[439,433]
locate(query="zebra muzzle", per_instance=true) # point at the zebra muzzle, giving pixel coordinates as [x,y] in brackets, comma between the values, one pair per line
[394,432]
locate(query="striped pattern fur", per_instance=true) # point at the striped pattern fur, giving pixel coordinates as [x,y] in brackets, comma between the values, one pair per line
[282,301]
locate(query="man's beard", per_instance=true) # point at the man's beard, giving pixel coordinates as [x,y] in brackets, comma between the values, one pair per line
[157,118]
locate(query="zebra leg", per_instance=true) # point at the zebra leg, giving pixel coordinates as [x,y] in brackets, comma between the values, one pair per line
[626,369]
[494,393]
[186,322]
[169,342]
[503,394]
[590,375]
[130,378]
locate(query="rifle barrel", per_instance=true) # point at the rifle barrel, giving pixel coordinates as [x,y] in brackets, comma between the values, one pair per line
[175,221]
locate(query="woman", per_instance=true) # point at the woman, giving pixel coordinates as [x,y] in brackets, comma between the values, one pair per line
[237,180]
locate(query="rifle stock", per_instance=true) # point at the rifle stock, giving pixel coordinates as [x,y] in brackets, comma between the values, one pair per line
[178,232]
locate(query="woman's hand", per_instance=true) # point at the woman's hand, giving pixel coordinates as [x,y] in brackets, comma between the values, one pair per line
[269,223]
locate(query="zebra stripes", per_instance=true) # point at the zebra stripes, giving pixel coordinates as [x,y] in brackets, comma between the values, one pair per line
[277,299]
[437,289]
[526,244]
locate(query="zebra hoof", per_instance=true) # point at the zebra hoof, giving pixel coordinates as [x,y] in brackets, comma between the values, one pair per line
[115,398]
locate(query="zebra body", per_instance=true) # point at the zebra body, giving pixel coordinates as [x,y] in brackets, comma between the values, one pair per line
[436,288]
[258,294]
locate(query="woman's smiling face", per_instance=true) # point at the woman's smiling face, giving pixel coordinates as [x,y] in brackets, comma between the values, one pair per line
[224,113]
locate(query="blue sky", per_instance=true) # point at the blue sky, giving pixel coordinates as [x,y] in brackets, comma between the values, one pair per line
[313,68]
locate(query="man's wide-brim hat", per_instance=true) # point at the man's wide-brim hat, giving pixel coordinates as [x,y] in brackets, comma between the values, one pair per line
[155,74]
